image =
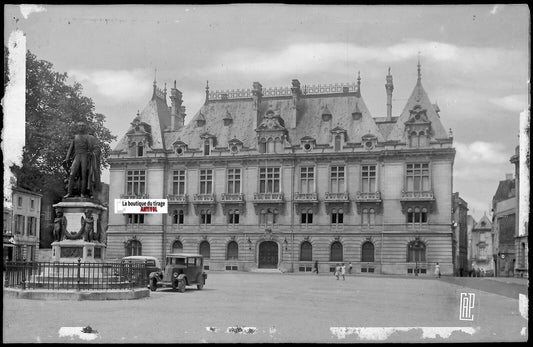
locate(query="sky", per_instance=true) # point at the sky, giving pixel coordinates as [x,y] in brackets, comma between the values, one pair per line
[474,62]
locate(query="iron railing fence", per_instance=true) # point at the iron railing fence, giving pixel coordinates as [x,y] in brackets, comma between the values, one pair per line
[75,276]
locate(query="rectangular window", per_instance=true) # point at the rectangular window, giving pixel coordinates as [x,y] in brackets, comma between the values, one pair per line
[32,225]
[417,215]
[234,181]
[178,182]
[337,179]
[135,218]
[136,182]
[19,224]
[269,180]
[368,176]
[233,217]
[19,201]
[306,217]
[417,177]
[337,216]
[205,217]
[206,181]
[307,179]
[32,204]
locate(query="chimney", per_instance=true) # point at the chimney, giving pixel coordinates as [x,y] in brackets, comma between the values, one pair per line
[257,92]
[296,92]
[389,87]
[176,119]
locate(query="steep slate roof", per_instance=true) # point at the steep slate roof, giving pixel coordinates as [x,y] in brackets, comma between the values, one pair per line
[309,120]
[418,97]
[505,191]
[157,115]
[488,224]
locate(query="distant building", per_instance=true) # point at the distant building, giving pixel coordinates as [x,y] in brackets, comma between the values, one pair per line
[281,177]
[26,223]
[9,240]
[521,268]
[481,246]
[460,235]
[504,209]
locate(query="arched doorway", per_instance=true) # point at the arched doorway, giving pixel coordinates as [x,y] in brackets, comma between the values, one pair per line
[268,255]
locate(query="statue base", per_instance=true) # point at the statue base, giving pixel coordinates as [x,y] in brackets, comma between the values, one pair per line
[75,244]
[69,251]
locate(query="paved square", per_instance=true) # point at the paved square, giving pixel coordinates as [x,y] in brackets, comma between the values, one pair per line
[252,307]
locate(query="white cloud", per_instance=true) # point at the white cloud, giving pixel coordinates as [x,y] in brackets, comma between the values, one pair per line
[482,152]
[515,103]
[26,10]
[116,85]
[333,56]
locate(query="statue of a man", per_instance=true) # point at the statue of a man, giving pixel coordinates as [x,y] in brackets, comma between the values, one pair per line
[87,225]
[84,171]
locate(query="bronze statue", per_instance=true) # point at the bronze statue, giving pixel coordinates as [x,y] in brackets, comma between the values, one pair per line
[60,225]
[83,164]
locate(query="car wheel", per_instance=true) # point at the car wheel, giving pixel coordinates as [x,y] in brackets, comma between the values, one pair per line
[200,286]
[153,285]
[175,284]
[181,286]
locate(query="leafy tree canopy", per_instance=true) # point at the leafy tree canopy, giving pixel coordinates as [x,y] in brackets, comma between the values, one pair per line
[52,109]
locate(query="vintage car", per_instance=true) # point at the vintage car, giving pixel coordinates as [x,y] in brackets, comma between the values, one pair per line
[152,265]
[181,270]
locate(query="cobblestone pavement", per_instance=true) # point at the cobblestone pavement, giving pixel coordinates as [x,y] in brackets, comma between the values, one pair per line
[255,308]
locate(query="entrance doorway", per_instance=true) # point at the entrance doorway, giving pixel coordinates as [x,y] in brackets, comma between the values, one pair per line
[268,255]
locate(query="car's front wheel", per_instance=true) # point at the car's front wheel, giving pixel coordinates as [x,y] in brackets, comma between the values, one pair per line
[181,286]
[153,285]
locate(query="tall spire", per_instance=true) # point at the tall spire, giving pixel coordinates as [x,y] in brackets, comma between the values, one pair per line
[206,92]
[359,83]
[419,74]
[389,87]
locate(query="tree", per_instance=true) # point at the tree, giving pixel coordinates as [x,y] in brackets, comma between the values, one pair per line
[52,109]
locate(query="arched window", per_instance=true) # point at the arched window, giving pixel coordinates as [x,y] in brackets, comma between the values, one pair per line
[372,216]
[232,251]
[270,146]
[422,139]
[336,251]
[205,249]
[133,247]
[306,251]
[416,251]
[364,217]
[262,146]
[367,252]
[140,149]
[177,247]
[413,139]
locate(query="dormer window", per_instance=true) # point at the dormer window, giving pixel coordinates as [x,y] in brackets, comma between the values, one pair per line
[326,114]
[139,137]
[357,114]
[339,138]
[200,121]
[140,149]
[179,147]
[207,147]
[208,143]
[338,143]
[369,141]
[307,143]
[234,145]
[228,119]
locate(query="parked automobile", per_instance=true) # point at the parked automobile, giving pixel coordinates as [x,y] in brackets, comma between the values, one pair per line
[152,265]
[181,270]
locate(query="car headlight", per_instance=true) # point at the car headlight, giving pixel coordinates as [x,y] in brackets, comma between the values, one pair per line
[175,274]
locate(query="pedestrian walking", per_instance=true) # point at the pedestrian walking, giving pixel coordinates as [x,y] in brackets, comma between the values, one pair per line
[315,269]
[437,270]
[337,271]
[350,268]
[343,271]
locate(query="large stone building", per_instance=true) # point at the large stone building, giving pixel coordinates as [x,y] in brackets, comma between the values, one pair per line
[283,177]
[504,209]
[460,235]
[481,247]
[26,212]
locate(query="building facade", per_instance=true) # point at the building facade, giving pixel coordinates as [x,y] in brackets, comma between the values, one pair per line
[504,208]
[481,247]
[26,224]
[460,235]
[283,177]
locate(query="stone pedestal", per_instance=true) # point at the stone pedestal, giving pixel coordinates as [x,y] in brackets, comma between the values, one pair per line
[69,251]
[74,243]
